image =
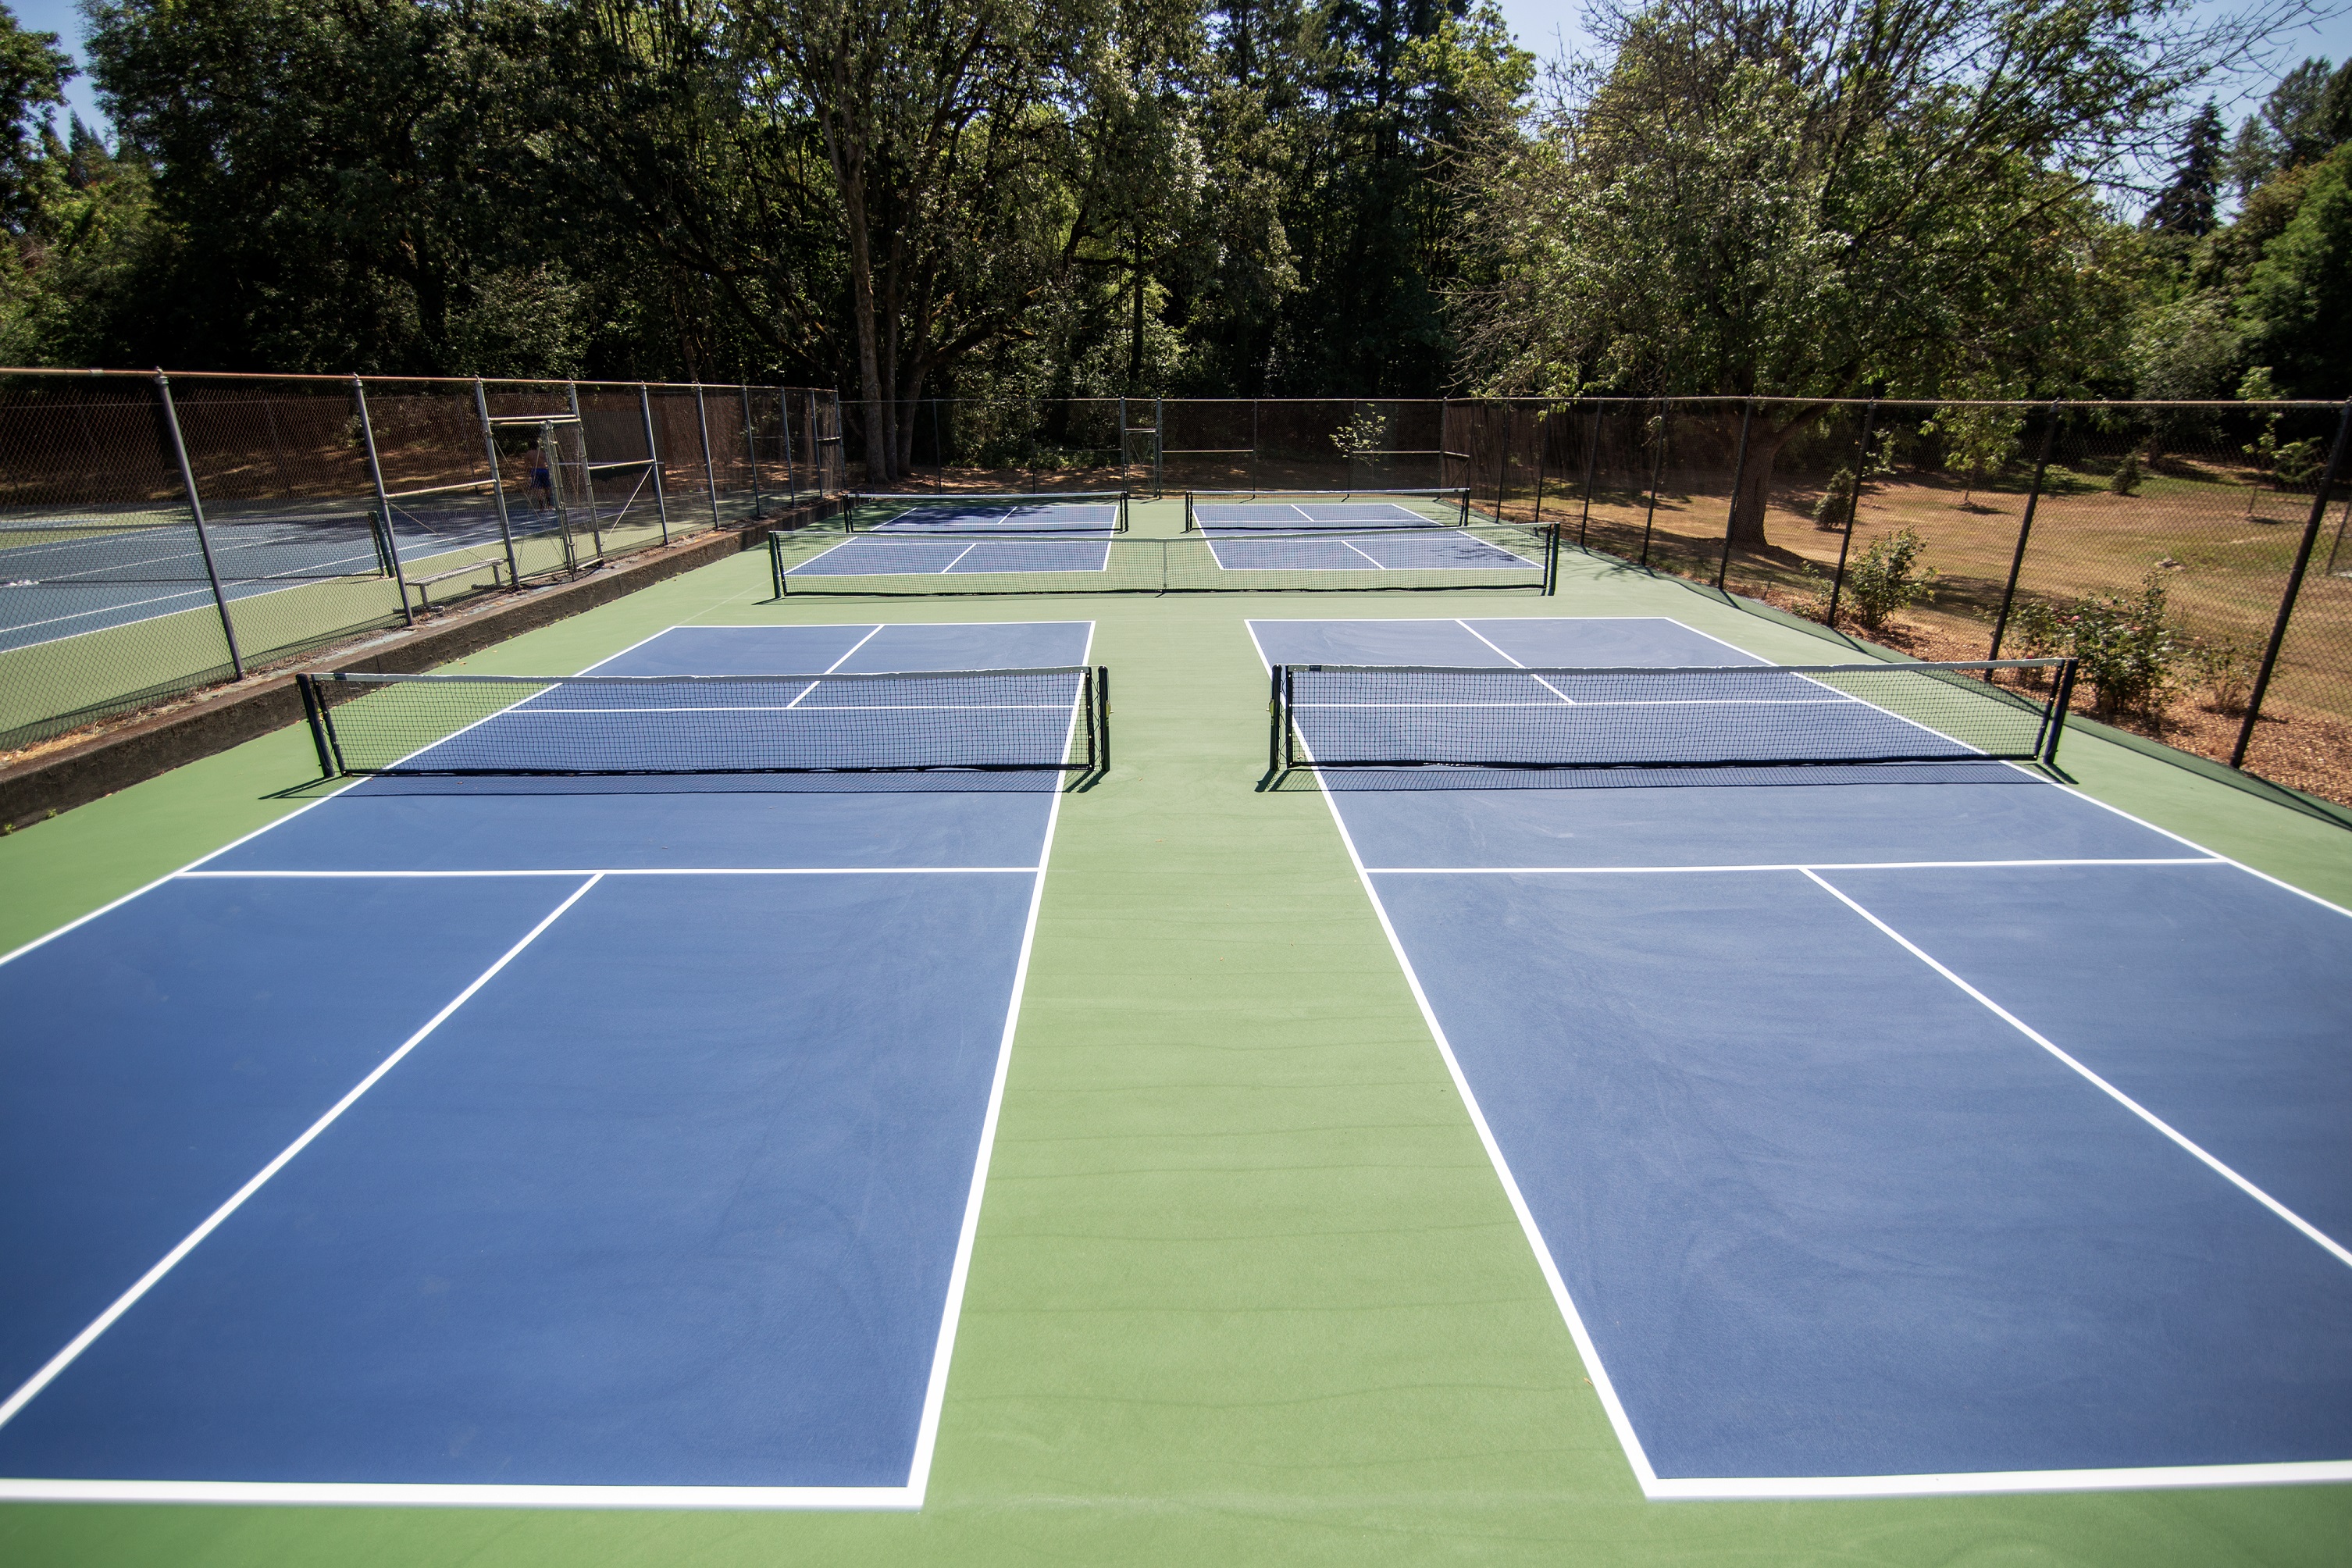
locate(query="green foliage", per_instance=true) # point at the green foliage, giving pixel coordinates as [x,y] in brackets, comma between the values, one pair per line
[2128,475]
[2288,463]
[33,74]
[1980,439]
[2128,648]
[1364,434]
[1889,576]
[2226,670]
[2296,305]
[1836,504]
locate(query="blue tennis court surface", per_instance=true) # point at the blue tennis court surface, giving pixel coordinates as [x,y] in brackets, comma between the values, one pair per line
[981,514]
[490,1140]
[927,554]
[1888,1130]
[1343,536]
[114,576]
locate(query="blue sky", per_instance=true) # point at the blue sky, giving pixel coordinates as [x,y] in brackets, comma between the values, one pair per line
[1542,25]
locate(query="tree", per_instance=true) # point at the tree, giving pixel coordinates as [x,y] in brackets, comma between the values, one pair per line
[33,74]
[1811,199]
[2185,207]
[1980,437]
[2296,309]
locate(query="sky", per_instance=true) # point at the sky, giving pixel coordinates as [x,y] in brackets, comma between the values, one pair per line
[1542,25]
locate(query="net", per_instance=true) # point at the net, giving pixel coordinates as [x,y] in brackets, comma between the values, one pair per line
[1052,718]
[1306,511]
[1083,513]
[1341,716]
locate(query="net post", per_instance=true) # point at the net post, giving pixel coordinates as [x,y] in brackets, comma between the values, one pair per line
[1551,562]
[2062,699]
[497,483]
[1852,510]
[2024,529]
[1591,468]
[1738,473]
[1289,730]
[776,561]
[387,542]
[1190,524]
[2319,500]
[314,710]
[197,512]
[1461,517]
[1102,718]
[1274,720]
[1657,474]
[653,458]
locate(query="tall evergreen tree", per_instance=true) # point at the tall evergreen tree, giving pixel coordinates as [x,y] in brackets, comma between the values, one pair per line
[2186,204]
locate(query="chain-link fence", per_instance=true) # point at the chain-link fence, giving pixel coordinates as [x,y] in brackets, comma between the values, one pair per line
[2192,556]
[160,533]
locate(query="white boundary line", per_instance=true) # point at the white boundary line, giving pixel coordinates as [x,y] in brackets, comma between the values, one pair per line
[249,837]
[124,1302]
[2330,1243]
[640,871]
[927,1430]
[405,1494]
[1607,1390]
[909,1495]
[1791,866]
[1797,1487]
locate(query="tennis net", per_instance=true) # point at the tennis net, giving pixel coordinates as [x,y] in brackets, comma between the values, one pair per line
[1394,716]
[1085,512]
[992,720]
[1302,511]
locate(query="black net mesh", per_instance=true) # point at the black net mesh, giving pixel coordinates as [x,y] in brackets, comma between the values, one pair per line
[992,720]
[1748,716]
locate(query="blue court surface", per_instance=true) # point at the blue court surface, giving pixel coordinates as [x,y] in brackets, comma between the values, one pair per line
[115,575]
[1432,549]
[927,554]
[1350,516]
[1882,1130]
[981,514]
[580,1141]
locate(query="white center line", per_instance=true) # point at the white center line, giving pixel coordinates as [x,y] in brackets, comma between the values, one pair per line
[124,1302]
[1546,685]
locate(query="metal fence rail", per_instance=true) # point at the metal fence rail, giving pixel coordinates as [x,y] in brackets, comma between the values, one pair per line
[162,532]
[2043,522]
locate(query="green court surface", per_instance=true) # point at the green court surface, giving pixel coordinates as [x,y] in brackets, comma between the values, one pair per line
[1246,1288]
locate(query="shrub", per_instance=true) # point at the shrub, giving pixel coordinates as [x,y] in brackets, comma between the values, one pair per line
[1836,504]
[2126,646]
[1888,577]
[2125,479]
[2226,670]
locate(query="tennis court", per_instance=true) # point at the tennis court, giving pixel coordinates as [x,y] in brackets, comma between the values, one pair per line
[937,535]
[1002,1153]
[529,1182]
[65,578]
[1405,532]
[1880,1129]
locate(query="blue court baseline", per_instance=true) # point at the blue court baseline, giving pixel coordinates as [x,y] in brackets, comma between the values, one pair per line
[1924,1130]
[586,1146]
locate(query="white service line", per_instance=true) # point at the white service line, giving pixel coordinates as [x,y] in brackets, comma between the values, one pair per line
[870,634]
[124,1302]
[650,871]
[2328,1242]
[1367,556]
[959,555]
[1546,685]
[1791,866]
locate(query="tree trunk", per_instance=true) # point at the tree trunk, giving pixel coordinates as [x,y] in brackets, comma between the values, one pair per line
[1765,440]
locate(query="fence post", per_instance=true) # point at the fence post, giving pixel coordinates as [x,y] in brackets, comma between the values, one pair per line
[497,483]
[1503,461]
[1255,402]
[196,511]
[709,472]
[653,459]
[784,417]
[1657,473]
[2294,588]
[1543,425]
[750,449]
[1738,473]
[1158,445]
[383,501]
[1852,510]
[587,470]
[2024,529]
[1592,466]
